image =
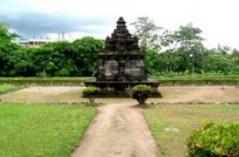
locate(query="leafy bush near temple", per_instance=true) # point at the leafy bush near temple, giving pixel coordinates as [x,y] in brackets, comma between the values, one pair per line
[214,140]
[90,92]
[141,93]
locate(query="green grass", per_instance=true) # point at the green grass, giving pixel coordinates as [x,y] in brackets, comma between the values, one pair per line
[42,130]
[6,87]
[171,125]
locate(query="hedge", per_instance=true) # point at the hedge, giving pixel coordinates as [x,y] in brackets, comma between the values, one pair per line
[90,91]
[162,80]
[44,81]
[199,80]
[215,140]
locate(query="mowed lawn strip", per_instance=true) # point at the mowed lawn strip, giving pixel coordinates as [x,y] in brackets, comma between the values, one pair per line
[171,125]
[42,130]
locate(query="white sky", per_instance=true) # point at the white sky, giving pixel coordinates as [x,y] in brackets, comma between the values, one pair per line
[218,19]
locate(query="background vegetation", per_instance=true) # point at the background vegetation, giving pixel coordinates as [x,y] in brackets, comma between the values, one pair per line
[179,52]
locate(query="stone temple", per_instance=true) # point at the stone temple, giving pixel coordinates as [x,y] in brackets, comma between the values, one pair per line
[122,62]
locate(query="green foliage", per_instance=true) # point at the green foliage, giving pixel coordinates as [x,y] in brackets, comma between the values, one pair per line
[86,58]
[21,63]
[206,79]
[6,50]
[154,62]
[55,59]
[90,91]
[219,63]
[215,140]
[141,93]
[42,129]
[5,35]
[6,87]
[146,31]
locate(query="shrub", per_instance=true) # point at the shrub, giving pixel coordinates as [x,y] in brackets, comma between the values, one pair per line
[141,93]
[215,140]
[6,87]
[90,92]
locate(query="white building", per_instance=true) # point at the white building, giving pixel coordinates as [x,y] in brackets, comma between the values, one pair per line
[33,42]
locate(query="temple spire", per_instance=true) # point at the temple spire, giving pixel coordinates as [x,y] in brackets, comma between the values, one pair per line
[121,21]
[121,40]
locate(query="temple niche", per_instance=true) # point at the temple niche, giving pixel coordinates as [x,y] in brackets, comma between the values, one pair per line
[122,62]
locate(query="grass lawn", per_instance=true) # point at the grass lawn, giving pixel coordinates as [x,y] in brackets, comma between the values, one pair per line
[6,87]
[171,125]
[42,130]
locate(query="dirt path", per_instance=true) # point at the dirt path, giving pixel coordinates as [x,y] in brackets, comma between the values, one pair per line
[171,94]
[118,131]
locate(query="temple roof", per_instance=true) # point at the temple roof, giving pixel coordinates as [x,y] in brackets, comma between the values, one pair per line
[121,20]
[121,40]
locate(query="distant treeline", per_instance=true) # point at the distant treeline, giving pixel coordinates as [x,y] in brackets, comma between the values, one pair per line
[78,58]
[180,52]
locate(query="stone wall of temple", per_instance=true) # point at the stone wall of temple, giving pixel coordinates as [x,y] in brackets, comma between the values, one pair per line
[121,59]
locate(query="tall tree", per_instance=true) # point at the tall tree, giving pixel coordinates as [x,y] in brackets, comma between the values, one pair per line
[5,35]
[147,32]
[235,54]
[190,45]
[188,36]
[86,58]
[6,48]
[170,45]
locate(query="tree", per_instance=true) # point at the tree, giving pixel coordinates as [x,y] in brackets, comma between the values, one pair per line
[68,59]
[218,63]
[188,36]
[5,35]
[55,59]
[224,50]
[190,45]
[21,63]
[154,62]
[147,32]
[6,47]
[170,44]
[235,55]
[86,56]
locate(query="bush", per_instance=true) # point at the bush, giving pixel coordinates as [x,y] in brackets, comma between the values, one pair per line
[90,92]
[6,87]
[215,140]
[141,93]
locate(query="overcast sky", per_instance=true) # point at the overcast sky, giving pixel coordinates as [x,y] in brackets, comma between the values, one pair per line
[218,19]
